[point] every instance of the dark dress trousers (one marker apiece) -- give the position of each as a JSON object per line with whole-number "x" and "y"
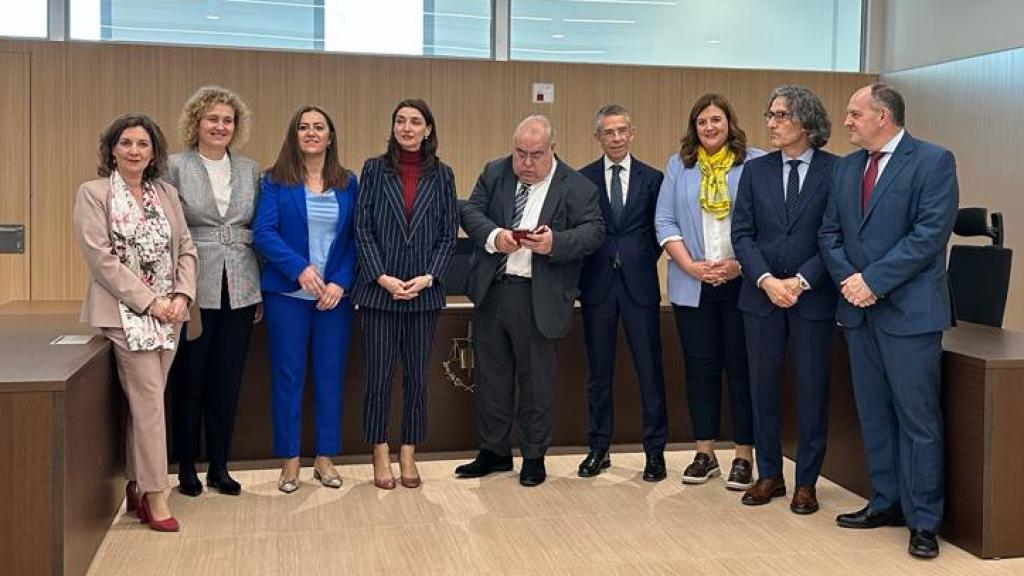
{"x": 517, "y": 321}
{"x": 898, "y": 244}
{"x": 389, "y": 243}
{"x": 768, "y": 239}
{"x": 620, "y": 280}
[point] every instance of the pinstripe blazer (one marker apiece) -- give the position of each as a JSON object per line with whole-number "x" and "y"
{"x": 390, "y": 244}
{"x": 223, "y": 242}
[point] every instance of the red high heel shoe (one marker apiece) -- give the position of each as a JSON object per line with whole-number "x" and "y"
{"x": 169, "y": 524}
{"x": 131, "y": 498}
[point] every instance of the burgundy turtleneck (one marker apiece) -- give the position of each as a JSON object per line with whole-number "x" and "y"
{"x": 409, "y": 171}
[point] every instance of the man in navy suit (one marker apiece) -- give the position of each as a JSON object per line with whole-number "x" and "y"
{"x": 883, "y": 240}
{"x": 620, "y": 280}
{"x": 787, "y": 295}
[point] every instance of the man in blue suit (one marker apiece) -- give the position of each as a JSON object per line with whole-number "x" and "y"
{"x": 883, "y": 240}
{"x": 787, "y": 295}
{"x": 620, "y": 280}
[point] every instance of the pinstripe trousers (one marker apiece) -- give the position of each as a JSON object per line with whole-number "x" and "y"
{"x": 386, "y": 336}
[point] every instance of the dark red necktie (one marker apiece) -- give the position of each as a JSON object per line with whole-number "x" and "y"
{"x": 868, "y": 184}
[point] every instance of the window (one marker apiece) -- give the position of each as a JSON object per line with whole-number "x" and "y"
{"x": 777, "y": 34}
{"x": 24, "y": 18}
{"x": 430, "y": 27}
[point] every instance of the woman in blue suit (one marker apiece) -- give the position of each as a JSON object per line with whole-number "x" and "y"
{"x": 693, "y": 221}
{"x": 303, "y": 229}
{"x": 406, "y": 226}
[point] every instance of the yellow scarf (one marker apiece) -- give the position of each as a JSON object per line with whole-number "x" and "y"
{"x": 714, "y": 188}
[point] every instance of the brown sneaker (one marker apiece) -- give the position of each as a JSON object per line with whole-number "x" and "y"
{"x": 702, "y": 469}
{"x": 741, "y": 475}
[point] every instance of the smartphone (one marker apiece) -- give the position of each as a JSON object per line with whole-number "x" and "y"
{"x": 520, "y": 233}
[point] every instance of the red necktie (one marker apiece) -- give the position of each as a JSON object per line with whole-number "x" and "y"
{"x": 868, "y": 184}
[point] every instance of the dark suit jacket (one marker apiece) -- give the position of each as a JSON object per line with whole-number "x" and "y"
{"x": 281, "y": 235}
{"x": 765, "y": 241}
{"x": 388, "y": 243}
{"x": 633, "y": 240}
{"x": 899, "y": 244}
{"x": 571, "y": 211}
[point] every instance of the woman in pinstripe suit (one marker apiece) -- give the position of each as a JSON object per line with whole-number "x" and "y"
{"x": 405, "y": 231}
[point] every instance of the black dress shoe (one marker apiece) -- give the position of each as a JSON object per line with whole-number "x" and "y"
{"x": 869, "y": 518}
{"x": 702, "y": 469}
{"x": 486, "y": 462}
{"x": 595, "y": 461}
{"x": 654, "y": 469}
{"x": 189, "y": 484}
{"x": 223, "y": 482}
{"x": 533, "y": 473}
{"x": 923, "y": 544}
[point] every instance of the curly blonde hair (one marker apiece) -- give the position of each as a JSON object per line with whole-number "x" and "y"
{"x": 200, "y": 102}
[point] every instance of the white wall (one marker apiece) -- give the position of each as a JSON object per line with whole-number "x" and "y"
{"x": 922, "y": 32}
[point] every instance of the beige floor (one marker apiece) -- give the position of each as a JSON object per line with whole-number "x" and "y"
{"x": 612, "y": 524}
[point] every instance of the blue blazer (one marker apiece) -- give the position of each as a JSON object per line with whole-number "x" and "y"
{"x": 388, "y": 243}
{"x": 633, "y": 239}
{"x": 281, "y": 236}
{"x": 766, "y": 241}
{"x": 899, "y": 244}
{"x": 679, "y": 214}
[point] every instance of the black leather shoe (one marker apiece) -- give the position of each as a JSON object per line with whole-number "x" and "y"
{"x": 654, "y": 469}
{"x": 923, "y": 544}
{"x": 223, "y": 482}
{"x": 741, "y": 475}
{"x": 189, "y": 484}
{"x": 533, "y": 472}
{"x": 486, "y": 463}
{"x": 595, "y": 461}
{"x": 868, "y": 518}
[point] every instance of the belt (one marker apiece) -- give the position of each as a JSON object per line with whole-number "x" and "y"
{"x": 224, "y": 234}
{"x": 511, "y": 279}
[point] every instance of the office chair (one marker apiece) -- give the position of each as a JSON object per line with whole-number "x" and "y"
{"x": 979, "y": 276}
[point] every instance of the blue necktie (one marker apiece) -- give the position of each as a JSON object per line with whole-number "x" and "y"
{"x": 522, "y": 196}
{"x": 616, "y": 193}
{"x": 792, "y": 189}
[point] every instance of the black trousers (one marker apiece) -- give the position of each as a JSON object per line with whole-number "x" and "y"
{"x": 601, "y": 328}
{"x": 205, "y": 381}
{"x": 388, "y": 335}
{"x": 712, "y": 338}
{"x": 515, "y": 371}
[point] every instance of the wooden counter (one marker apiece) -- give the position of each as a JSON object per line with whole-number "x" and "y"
{"x": 61, "y": 454}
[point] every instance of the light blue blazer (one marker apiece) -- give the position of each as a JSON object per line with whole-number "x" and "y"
{"x": 679, "y": 214}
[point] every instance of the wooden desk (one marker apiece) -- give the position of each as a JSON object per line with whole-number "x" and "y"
{"x": 61, "y": 453}
{"x": 983, "y": 402}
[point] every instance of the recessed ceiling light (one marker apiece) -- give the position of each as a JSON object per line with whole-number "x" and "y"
{"x": 212, "y": 17}
{"x": 558, "y": 36}
{"x": 714, "y": 41}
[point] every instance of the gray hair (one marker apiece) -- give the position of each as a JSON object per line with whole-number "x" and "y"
{"x": 545, "y": 125}
{"x": 806, "y": 109}
{"x": 887, "y": 97}
{"x": 611, "y": 110}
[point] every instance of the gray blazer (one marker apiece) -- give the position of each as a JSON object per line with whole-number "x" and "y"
{"x": 224, "y": 242}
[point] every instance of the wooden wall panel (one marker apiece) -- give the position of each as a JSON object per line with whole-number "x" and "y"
{"x": 14, "y": 170}
{"x": 77, "y": 88}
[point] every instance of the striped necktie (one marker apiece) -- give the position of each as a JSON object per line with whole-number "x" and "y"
{"x": 522, "y": 196}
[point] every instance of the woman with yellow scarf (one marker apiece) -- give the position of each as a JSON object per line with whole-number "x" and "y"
{"x": 693, "y": 221}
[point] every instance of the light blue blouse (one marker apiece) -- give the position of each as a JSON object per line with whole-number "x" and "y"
{"x": 322, "y": 221}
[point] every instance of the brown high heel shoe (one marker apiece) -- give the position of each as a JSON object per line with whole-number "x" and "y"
{"x": 408, "y": 481}
{"x": 387, "y": 483}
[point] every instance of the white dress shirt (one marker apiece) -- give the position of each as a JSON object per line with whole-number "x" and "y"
{"x": 626, "y": 164}
{"x": 888, "y": 149}
{"x": 520, "y": 262}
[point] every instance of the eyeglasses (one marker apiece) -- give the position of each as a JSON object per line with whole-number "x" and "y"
{"x": 780, "y": 116}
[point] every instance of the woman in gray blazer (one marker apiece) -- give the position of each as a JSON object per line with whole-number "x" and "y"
{"x": 218, "y": 191}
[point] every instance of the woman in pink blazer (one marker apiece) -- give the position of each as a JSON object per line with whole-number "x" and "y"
{"x": 142, "y": 264}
